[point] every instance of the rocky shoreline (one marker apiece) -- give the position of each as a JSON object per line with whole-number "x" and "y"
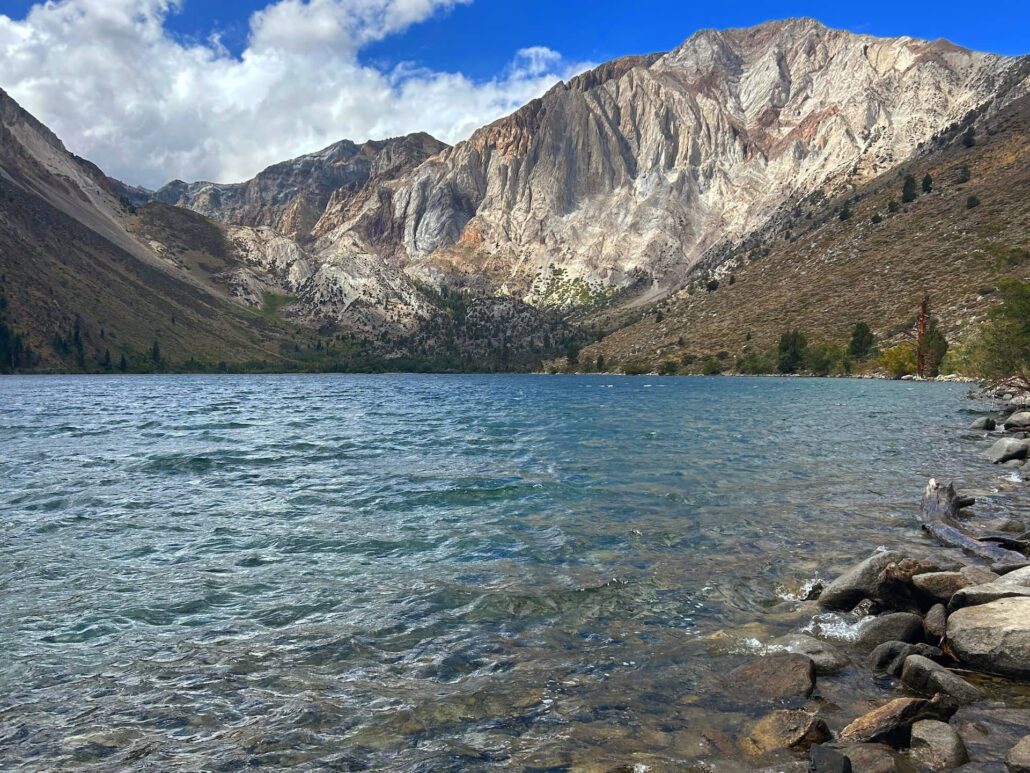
{"x": 942, "y": 634}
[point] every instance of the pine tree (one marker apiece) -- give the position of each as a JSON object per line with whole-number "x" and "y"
{"x": 908, "y": 190}
{"x": 927, "y": 183}
{"x": 155, "y": 354}
{"x": 124, "y": 364}
{"x": 862, "y": 341}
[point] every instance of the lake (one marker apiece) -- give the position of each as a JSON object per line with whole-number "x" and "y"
{"x": 427, "y": 572}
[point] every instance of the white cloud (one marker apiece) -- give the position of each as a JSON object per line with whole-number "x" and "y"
{"x": 110, "y": 80}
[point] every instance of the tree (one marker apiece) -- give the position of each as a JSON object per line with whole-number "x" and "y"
{"x": 1002, "y": 351}
{"x": 123, "y": 365}
{"x": 934, "y": 347}
{"x": 155, "y": 354}
{"x": 927, "y": 183}
{"x": 972, "y": 202}
{"x": 105, "y": 363}
{"x": 963, "y": 174}
{"x": 908, "y": 189}
{"x": 862, "y": 341}
{"x": 900, "y": 360}
{"x": 969, "y": 138}
{"x": 792, "y": 351}
{"x": 711, "y": 367}
{"x": 600, "y": 363}
{"x": 712, "y": 286}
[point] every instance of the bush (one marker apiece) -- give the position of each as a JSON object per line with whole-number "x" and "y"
{"x": 635, "y": 369}
{"x": 899, "y": 360}
{"x": 791, "y": 351}
{"x": 862, "y": 341}
{"x": 877, "y": 218}
{"x": 668, "y": 368}
{"x": 892, "y": 206}
{"x": 711, "y": 367}
{"x": 927, "y": 183}
{"x": 972, "y": 201}
{"x": 712, "y": 285}
{"x": 908, "y": 190}
{"x": 824, "y": 359}
{"x": 755, "y": 363}
{"x": 963, "y": 174}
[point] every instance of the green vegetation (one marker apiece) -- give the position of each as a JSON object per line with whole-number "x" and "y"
{"x": 963, "y": 174}
{"x": 892, "y": 206}
{"x": 899, "y": 360}
{"x": 862, "y": 342}
{"x": 972, "y": 201}
{"x": 932, "y": 349}
{"x": 635, "y": 369}
{"x": 272, "y": 303}
{"x": 791, "y": 351}
{"x": 1001, "y": 352}
{"x": 711, "y": 367}
{"x": 668, "y": 368}
{"x": 15, "y": 353}
{"x": 927, "y": 183}
{"x": 908, "y": 190}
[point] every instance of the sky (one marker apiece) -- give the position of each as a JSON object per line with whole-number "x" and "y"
{"x": 153, "y": 90}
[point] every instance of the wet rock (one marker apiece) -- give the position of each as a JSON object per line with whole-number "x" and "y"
{"x": 774, "y": 678}
{"x": 937, "y": 745}
{"x": 827, "y": 658}
{"x": 889, "y": 657}
{"x": 892, "y": 723}
{"x": 993, "y": 637}
{"x": 935, "y": 623}
{"x": 871, "y": 758}
{"x": 859, "y": 582}
{"x": 984, "y": 422}
{"x": 866, "y": 608}
{"x": 924, "y": 676}
{"x": 1018, "y": 759}
{"x": 897, "y": 626}
{"x": 788, "y": 729}
{"x": 1018, "y": 422}
{"x": 940, "y": 586}
{"x": 826, "y": 759}
{"x": 978, "y": 575}
{"x": 976, "y": 595}
{"x": 989, "y": 732}
{"x": 1006, "y": 449}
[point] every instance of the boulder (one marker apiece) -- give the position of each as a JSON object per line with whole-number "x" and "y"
{"x": 993, "y": 637}
{"x": 892, "y": 722}
{"x": 937, "y": 745}
{"x": 984, "y": 422}
{"x": 975, "y": 595}
{"x": 774, "y": 678}
{"x": 1018, "y": 422}
{"x": 978, "y": 575}
{"x": 890, "y": 656}
{"x": 871, "y": 758}
{"x": 1003, "y": 568}
{"x": 785, "y": 730}
{"x": 858, "y": 582}
{"x": 1019, "y": 576}
{"x": 897, "y": 626}
{"x": 826, "y": 759}
{"x": 935, "y": 623}
{"x": 827, "y": 658}
{"x": 1007, "y": 449}
{"x": 924, "y": 676}
{"x": 940, "y": 586}
{"x": 1018, "y": 759}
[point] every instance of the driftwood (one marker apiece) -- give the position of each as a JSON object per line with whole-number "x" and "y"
{"x": 940, "y": 508}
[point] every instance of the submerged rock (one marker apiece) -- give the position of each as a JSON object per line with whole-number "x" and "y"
{"x": 788, "y": 729}
{"x": 871, "y": 758}
{"x": 929, "y": 678}
{"x": 993, "y": 637}
{"x": 1018, "y": 759}
{"x": 861, "y": 581}
{"x": 984, "y": 422}
{"x": 937, "y": 745}
{"x": 774, "y": 678}
{"x": 892, "y": 723}
{"x": 827, "y": 658}
{"x": 890, "y": 656}
{"x": 826, "y": 759}
{"x": 897, "y": 626}
{"x": 1007, "y": 449}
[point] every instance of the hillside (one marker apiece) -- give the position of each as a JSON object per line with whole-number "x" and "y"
{"x": 816, "y": 272}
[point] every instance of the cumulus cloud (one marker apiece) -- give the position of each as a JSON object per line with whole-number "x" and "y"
{"x": 111, "y": 81}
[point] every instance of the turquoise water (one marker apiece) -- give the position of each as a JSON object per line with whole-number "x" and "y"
{"x": 422, "y": 572}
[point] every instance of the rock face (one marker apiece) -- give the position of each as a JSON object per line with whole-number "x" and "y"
{"x": 993, "y": 637}
{"x": 937, "y": 745}
{"x": 859, "y": 582}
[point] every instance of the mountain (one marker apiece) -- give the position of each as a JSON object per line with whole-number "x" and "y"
{"x": 579, "y": 212}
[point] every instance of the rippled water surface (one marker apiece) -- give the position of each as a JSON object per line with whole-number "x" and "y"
{"x": 423, "y": 572}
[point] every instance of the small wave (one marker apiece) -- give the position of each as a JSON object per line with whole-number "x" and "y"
{"x": 831, "y": 625}
{"x": 801, "y": 593}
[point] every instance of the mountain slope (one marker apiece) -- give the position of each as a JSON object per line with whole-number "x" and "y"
{"x": 814, "y": 271}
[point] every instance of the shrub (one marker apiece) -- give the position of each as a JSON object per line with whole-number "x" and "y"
{"x": 899, "y": 360}
{"x": 927, "y": 183}
{"x": 908, "y": 190}
{"x": 824, "y": 359}
{"x": 711, "y": 367}
{"x": 972, "y": 201}
{"x": 892, "y": 206}
{"x": 877, "y": 218}
{"x": 862, "y": 341}
{"x": 754, "y": 363}
{"x": 600, "y": 363}
{"x": 668, "y": 368}
{"x": 635, "y": 369}
{"x": 963, "y": 174}
{"x": 791, "y": 351}
{"x": 712, "y": 285}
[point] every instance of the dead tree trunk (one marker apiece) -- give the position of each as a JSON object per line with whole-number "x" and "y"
{"x": 940, "y": 507}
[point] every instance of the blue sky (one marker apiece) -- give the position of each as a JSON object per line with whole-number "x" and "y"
{"x": 153, "y": 90}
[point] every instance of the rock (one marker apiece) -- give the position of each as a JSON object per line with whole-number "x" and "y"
{"x": 978, "y": 575}
{"x": 866, "y": 608}
{"x": 984, "y": 422}
{"x": 827, "y": 658}
{"x": 935, "y": 623}
{"x": 871, "y": 758}
{"x": 993, "y": 637}
{"x": 859, "y": 582}
{"x": 1018, "y": 576}
{"x": 937, "y": 745}
{"x": 774, "y": 677}
{"x": 785, "y": 730}
{"x": 940, "y": 586}
{"x": 897, "y": 626}
{"x": 1018, "y": 759}
{"x": 890, "y": 656}
{"x": 923, "y": 675}
{"x": 1014, "y": 464}
{"x": 892, "y": 723}
{"x": 1006, "y": 449}
{"x": 975, "y": 595}
{"x": 1018, "y": 422}
{"x": 826, "y": 759}
{"x": 1006, "y": 568}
